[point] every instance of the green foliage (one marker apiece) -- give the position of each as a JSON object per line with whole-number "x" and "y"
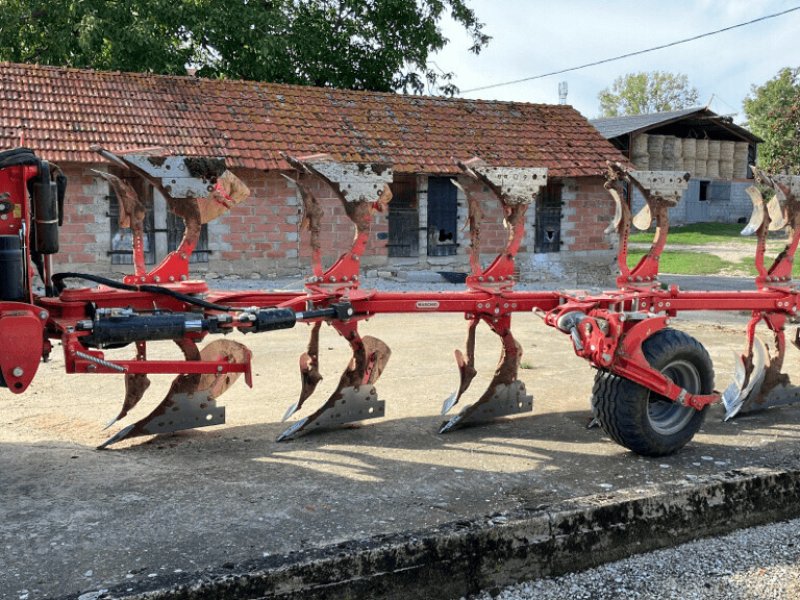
{"x": 643, "y": 93}
{"x": 379, "y": 45}
{"x": 773, "y": 113}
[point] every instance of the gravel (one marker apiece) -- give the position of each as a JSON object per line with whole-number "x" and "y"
{"x": 759, "y": 563}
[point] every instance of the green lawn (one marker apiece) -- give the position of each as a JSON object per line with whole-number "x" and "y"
{"x": 685, "y": 263}
{"x": 701, "y": 263}
{"x": 698, "y": 234}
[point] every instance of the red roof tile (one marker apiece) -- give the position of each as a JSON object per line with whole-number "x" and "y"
{"x": 62, "y": 112}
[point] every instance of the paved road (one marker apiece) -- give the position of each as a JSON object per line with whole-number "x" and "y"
{"x": 759, "y": 563}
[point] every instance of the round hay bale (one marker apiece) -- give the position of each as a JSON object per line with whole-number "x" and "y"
{"x": 655, "y": 149}
{"x": 712, "y": 168}
{"x": 656, "y": 162}
{"x": 641, "y": 162}
{"x": 726, "y": 169}
{"x": 639, "y": 145}
{"x": 689, "y": 165}
{"x": 655, "y": 144}
{"x": 668, "y": 154}
{"x": 699, "y": 167}
{"x": 713, "y": 149}
{"x": 701, "y": 150}
{"x": 677, "y": 152}
{"x": 689, "y": 148}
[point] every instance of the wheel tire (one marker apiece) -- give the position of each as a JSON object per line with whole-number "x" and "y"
{"x": 643, "y": 421}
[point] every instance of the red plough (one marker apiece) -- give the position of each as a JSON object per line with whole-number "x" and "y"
{"x": 653, "y": 383}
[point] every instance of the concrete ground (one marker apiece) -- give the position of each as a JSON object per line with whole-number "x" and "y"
{"x": 75, "y": 519}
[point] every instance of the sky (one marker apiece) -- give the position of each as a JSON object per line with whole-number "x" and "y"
{"x": 530, "y": 37}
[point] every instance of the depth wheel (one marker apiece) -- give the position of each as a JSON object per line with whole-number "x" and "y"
{"x": 643, "y": 421}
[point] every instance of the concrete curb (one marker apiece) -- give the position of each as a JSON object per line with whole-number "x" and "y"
{"x": 464, "y": 557}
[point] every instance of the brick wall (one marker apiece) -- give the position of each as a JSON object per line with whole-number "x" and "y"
{"x": 587, "y": 255}
{"x": 85, "y": 237}
{"x": 261, "y": 235}
{"x": 588, "y": 209}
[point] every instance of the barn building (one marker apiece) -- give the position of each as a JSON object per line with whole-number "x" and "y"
{"x": 711, "y": 147}
{"x": 61, "y": 112}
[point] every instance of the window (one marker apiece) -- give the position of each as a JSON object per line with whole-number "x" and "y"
{"x": 163, "y": 230}
{"x": 175, "y": 229}
{"x": 404, "y": 217}
{"x": 548, "y": 218}
{"x": 121, "y": 250}
{"x": 704, "y": 185}
{"x": 442, "y": 217}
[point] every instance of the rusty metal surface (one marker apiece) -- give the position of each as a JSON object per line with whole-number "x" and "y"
{"x": 131, "y": 215}
{"x": 136, "y": 384}
{"x": 664, "y": 185}
{"x": 357, "y": 182}
{"x": 228, "y": 350}
{"x": 182, "y": 386}
{"x": 178, "y": 176}
{"x": 310, "y": 375}
{"x": 227, "y": 193}
{"x": 368, "y": 361}
{"x": 466, "y": 368}
{"x": 512, "y": 185}
{"x": 790, "y": 182}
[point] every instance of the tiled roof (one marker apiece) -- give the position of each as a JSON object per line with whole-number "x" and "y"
{"x": 63, "y": 111}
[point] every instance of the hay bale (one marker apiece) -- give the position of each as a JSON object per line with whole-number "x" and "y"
{"x": 689, "y": 165}
{"x": 701, "y": 150}
{"x": 655, "y": 149}
{"x": 689, "y": 148}
{"x": 699, "y": 167}
{"x": 740, "y": 150}
{"x": 713, "y": 149}
{"x": 655, "y": 144}
{"x": 712, "y": 168}
{"x": 641, "y": 162}
{"x": 740, "y": 153}
{"x": 726, "y": 169}
{"x": 668, "y": 154}
{"x": 726, "y": 149}
{"x": 639, "y": 145}
{"x": 677, "y": 152}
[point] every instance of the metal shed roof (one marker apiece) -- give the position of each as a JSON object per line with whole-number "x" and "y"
{"x": 700, "y": 121}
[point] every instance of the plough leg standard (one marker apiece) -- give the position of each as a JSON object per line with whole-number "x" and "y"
{"x": 653, "y": 383}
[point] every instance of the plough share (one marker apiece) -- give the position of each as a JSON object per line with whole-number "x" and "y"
{"x": 653, "y": 383}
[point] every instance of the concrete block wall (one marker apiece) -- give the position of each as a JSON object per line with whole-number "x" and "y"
{"x": 727, "y": 202}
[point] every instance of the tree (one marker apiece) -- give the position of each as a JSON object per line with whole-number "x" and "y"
{"x": 773, "y": 113}
{"x": 378, "y": 45}
{"x": 643, "y": 93}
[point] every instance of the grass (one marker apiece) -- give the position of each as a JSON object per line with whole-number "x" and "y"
{"x": 686, "y": 263}
{"x": 699, "y": 234}
{"x": 701, "y": 263}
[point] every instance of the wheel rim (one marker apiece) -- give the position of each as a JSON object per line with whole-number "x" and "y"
{"x": 667, "y": 417}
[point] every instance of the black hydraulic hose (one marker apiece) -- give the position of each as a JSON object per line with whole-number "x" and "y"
{"x": 58, "y": 282}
